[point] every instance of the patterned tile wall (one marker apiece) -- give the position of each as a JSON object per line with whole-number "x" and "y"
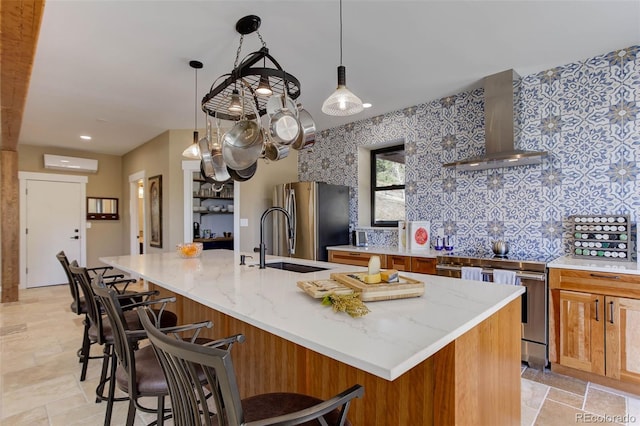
{"x": 586, "y": 114}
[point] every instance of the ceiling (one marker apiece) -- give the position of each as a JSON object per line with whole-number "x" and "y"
{"x": 118, "y": 70}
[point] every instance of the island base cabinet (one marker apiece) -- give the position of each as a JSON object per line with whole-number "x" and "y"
{"x": 473, "y": 380}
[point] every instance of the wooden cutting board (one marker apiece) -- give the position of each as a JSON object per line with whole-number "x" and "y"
{"x": 406, "y": 287}
{"x": 320, "y": 288}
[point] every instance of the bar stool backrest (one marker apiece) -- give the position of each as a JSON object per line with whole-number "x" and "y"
{"x": 122, "y": 344}
{"x": 181, "y": 361}
{"x": 81, "y": 278}
{"x": 73, "y": 286}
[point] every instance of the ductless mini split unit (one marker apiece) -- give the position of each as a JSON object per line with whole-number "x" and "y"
{"x": 72, "y": 164}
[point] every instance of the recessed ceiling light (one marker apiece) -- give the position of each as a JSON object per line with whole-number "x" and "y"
{"x": 85, "y": 137}
{"x": 366, "y": 105}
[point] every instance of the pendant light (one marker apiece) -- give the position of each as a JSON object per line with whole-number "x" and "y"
{"x": 264, "y": 88}
{"x": 235, "y": 106}
{"x": 342, "y": 102}
{"x": 193, "y": 151}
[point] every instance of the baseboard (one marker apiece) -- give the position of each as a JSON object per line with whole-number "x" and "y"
{"x": 596, "y": 378}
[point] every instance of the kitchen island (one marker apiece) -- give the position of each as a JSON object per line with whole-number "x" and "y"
{"x": 451, "y": 356}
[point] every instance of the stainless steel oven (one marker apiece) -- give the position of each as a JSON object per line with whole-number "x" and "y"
{"x": 533, "y": 276}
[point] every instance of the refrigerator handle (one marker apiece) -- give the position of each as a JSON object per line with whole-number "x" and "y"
{"x": 291, "y": 208}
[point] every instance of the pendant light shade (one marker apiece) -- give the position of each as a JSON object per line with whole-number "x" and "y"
{"x": 193, "y": 151}
{"x": 342, "y": 102}
{"x": 264, "y": 88}
{"x": 235, "y": 105}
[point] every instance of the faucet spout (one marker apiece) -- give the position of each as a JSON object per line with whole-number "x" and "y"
{"x": 263, "y": 247}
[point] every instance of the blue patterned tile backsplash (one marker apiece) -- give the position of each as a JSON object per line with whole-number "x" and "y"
{"x": 585, "y": 114}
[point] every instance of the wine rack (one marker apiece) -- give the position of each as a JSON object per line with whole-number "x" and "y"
{"x": 604, "y": 237}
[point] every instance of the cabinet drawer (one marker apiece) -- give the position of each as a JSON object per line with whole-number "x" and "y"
{"x": 401, "y": 263}
{"x": 354, "y": 258}
{"x": 607, "y": 283}
{"x": 423, "y": 265}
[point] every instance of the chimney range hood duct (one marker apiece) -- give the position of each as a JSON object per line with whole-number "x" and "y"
{"x": 499, "y": 128}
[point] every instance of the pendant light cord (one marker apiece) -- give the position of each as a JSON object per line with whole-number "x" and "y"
{"x": 195, "y": 104}
{"x": 340, "y": 32}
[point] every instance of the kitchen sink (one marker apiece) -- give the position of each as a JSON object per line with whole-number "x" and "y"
{"x": 294, "y": 267}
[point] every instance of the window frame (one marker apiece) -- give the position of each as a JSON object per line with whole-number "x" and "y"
{"x": 374, "y": 188}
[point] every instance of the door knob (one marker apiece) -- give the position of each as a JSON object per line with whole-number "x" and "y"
{"x": 75, "y": 238}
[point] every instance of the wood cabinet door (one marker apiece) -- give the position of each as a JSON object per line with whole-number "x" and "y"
{"x": 354, "y": 258}
{"x": 423, "y": 265}
{"x": 582, "y": 331}
{"x": 622, "y": 318}
{"x": 401, "y": 263}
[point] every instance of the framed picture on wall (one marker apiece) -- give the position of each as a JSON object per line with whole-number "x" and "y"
{"x": 155, "y": 204}
{"x": 419, "y": 235}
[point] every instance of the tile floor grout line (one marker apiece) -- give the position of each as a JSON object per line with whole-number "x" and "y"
{"x": 584, "y": 400}
{"x": 546, "y": 394}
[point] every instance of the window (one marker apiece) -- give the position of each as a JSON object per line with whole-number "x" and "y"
{"x": 387, "y": 186}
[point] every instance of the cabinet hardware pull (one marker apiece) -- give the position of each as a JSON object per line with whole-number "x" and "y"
{"x": 610, "y": 277}
{"x": 611, "y": 312}
{"x": 597, "y": 310}
{"x": 354, "y": 254}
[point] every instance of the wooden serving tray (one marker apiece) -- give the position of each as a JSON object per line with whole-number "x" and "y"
{"x": 406, "y": 287}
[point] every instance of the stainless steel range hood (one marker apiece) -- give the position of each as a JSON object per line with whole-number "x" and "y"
{"x": 499, "y": 128}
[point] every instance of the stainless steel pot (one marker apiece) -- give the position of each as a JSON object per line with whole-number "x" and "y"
{"x": 307, "y": 136}
{"x": 284, "y": 126}
{"x": 243, "y": 175}
{"x": 242, "y": 145}
{"x": 275, "y": 152}
{"x": 212, "y": 165}
{"x": 500, "y": 247}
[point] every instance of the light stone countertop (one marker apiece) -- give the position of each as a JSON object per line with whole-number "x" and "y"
{"x": 392, "y": 250}
{"x": 393, "y": 338}
{"x": 596, "y": 265}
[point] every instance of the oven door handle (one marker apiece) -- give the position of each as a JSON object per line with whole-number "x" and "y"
{"x": 520, "y": 274}
{"x": 525, "y": 304}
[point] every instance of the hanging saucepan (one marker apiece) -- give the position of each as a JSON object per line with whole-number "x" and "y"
{"x": 283, "y": 125}
{"x": 242, "y": 145}
{"x": 275, "y": 152}
{"x": 206, "y": 164}
{"x": 244, "y": 174}
{"x": 307, "y": 136}
{"x": 210, "y": 166}
{"x": 274, "y": 104}
{"x": 219, "y": 165}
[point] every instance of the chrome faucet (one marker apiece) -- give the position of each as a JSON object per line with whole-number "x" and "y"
{"x": 263, "y": 247}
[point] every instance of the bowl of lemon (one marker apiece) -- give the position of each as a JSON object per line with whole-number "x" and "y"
{"x": 189, "y": 250}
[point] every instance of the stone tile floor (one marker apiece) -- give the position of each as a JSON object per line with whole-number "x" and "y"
{"x": 39, "y": 376}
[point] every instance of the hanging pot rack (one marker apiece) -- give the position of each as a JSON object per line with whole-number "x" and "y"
{"x": 245, "y": 79}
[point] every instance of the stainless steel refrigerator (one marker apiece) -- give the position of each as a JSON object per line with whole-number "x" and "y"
{"x": 320, "y": 214}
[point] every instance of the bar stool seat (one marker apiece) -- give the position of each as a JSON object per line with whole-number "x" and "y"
{"x": 271, "y": 405}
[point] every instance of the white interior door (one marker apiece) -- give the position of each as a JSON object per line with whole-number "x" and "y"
{"x": 53, "y": 220}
